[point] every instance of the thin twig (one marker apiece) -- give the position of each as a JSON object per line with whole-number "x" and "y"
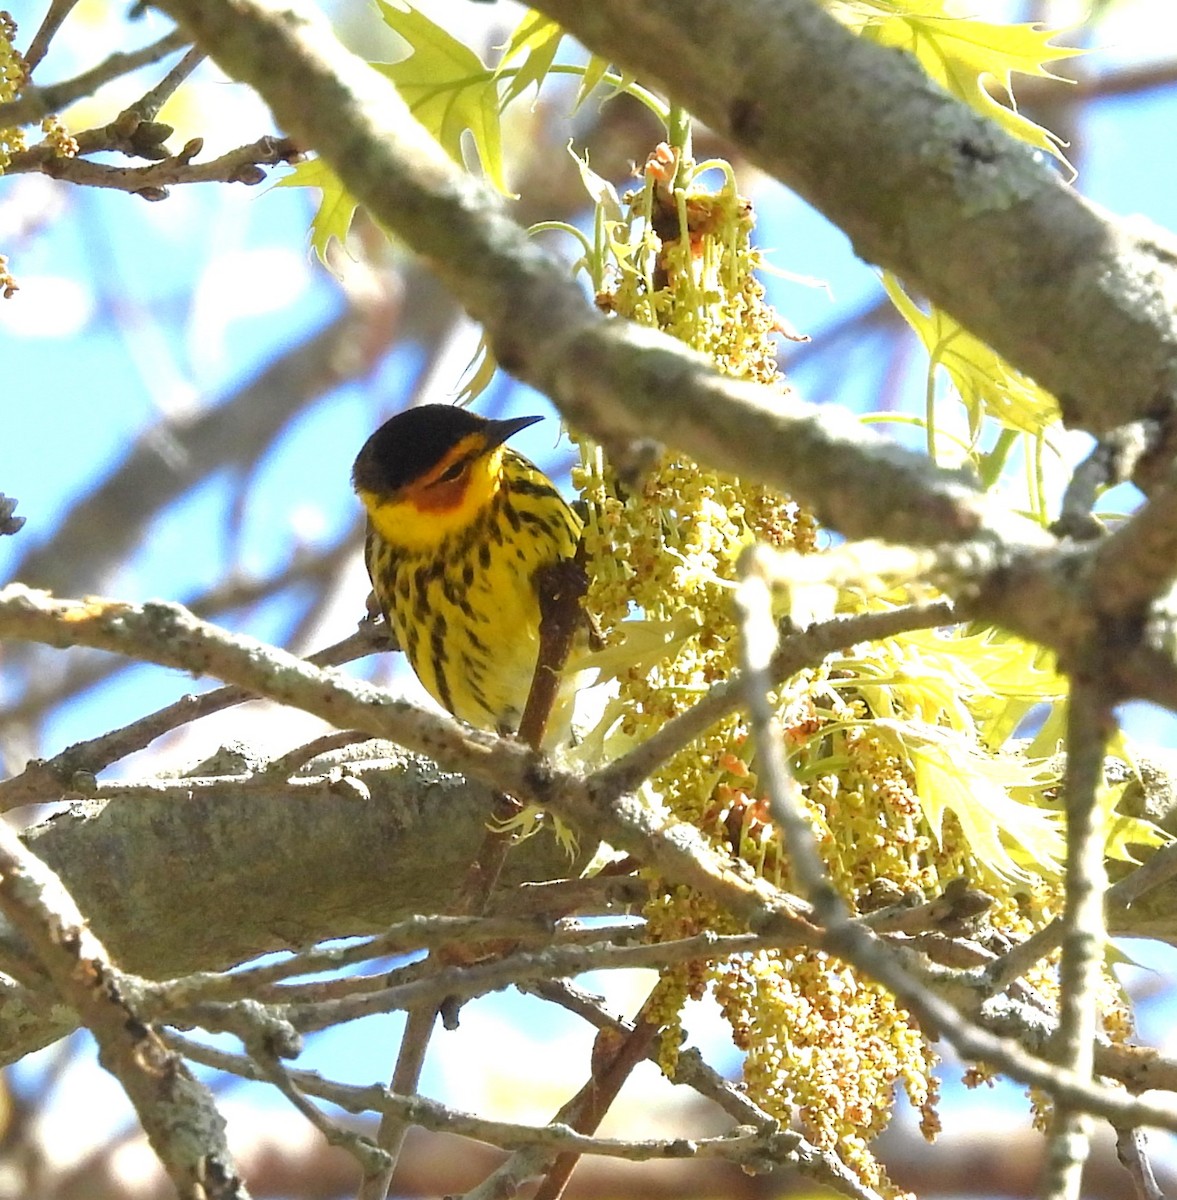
{"x": 405, "y": 937}
{"x": 752, "y": 1147}
{"x": 561, "y": 587}
{"x": 616, "y": 1052}
{"x": 467, "y": 981}
{"x": 957, "y": 906}
{"x": 382, "y": 981}
{"x": 758, "y": 641}
{"x": 37, "y": 102}
{"x": 50, "y": 24}
{"x": 797, "y": 651}
{"x": 370, "y": 1157}
{"x": 1119, "y": 81}
{"x": 232, "y": 594}
{"x": 1159, "y": 868}
{"x": 50, "y": 779}
{"x": 1113, "y": 460}
{"x": 243, "y": 165}
{"x": 1132, "y": 1151}
{"x": 294, "y": 760}
{"x": 1090, "y": 725}
{"x": 612, "y": 1065}
{"x": 406, "y": 1077}
{"x": 1014, "y": 963}
{"x": 692, "y": 1071}
{"x": 507, "y": 1180}
{"x": 591, "y": 895}
{"x": 148, "y": 105}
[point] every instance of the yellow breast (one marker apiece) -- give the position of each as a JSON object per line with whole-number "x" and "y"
{"x": 464, "y": 604}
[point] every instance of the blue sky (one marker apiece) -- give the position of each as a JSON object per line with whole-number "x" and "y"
{"x": 132, "y": 314}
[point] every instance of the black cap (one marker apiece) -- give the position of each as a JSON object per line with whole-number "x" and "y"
{"x": 407, "y": 445}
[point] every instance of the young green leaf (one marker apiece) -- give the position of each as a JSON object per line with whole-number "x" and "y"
{"x": 336, "y": 209}
{"x": 965, "y": 55}
{"x": 986, "y": 383}
{"x": 448, "y": 88}
{"x": 537, "y": 38}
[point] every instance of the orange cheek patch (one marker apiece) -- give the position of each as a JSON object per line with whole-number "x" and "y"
{"x": 441, "y": 497}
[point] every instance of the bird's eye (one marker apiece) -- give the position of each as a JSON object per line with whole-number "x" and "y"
{"x": 451, "y": 473}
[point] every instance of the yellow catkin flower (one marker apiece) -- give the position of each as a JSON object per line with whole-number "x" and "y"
{"x": 62, "y": 141}
{"x": 668, "y": 547}
{"x": 12, "y": 78}
{"x": 822, "y": 1046}
{"x": 8, "y": 284}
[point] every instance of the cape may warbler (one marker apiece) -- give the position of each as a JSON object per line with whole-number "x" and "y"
{"x": 458, "y": 525}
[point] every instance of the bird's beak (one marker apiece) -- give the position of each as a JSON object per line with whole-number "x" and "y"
{"x": 497, "y": 432}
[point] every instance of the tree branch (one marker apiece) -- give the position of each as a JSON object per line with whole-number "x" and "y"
{"x": 742, "y": 1145}
{"x": 960, "y": 210}
{"x": 1090, "y": 725}
{"x": 614, "y": 380}
{"x": 50, "y": 24}
{"x": 37, "y": 102}
{"x": 51, "y": 779}
{"x": 243, "y": 165}
{"x": 177, "y": 1111}
{"x": 678, "y": 851}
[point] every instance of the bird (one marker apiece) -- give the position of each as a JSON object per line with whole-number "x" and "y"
{"x": 459, "y": 524}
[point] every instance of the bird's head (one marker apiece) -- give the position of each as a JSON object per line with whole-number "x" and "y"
{"x": 429, "y": 472}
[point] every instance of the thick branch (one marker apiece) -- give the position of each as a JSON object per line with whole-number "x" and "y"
{"x": 618, "y": 381}
{"x": 383, "y": 836}
{"x": 964, "y": 213}
{"x": 610, "y": 378}
{"x": 176, "y": 1110}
